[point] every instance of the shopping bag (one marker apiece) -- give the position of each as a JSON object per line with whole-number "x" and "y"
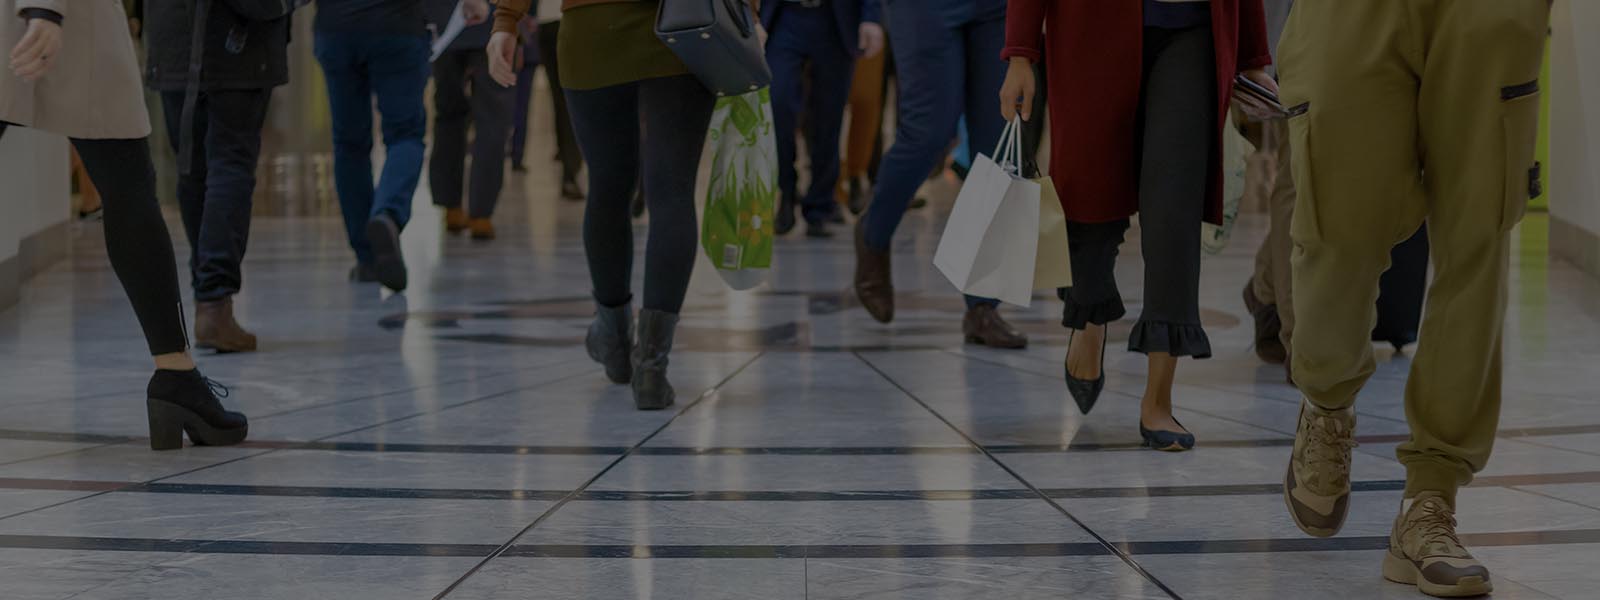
{"x": 1052, "y": 267}
{"x": 742, "y": 196}
{"x": 990, "y": 243}
{"x": 1235, "y": 153}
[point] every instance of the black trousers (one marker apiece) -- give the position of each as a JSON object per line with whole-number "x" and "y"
{"x": 1177, "y": 136}
{"x": 214, "y": 197}
{"x": 658, "y": 127}
{"x": 488, "y": 111}
{"x": 136, "y": 237}
{"x": 566, "y": 141}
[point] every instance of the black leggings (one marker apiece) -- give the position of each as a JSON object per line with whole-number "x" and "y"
{"x": 136, "y": 237}
{"x": 1177, "y": 136}
{"x": 659, "y": 124}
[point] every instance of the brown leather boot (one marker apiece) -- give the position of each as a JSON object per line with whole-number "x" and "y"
{"x": 874, "y": 282}
{"x": 455, "y": 220}
{"x": 215, "y": 329}
{"x": 983, "y": 326}
{"x": 482, "y": 229}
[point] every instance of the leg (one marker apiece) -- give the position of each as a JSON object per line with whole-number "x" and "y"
{"x": 1350, "y": 72}
{"x": 491, "y": 108}
{"x": 833, "y": 65}
{"x": 1091, "y": 303}
{"x": 1260, "y": 295}
{"x": 566, "y": 141}
{"x": 786, "y": 53}
{"x": 191, "y": 185}
{"x": 519, "y": 112}
{"x": 233, "y": 145}
{"x": 1479, "y": 122}
{"x": 676, "y": 112}
{"x": 931, "y": 70}
{"x": 350, "y": 105}
{"x": 450, "y": 113}
{"x": 1280, "y": 207}
{"x": 399, "y": 71}
{"x": 610, "y": 142}
{"x": 984, "y": 40}
{"x": 866, "y": 114}
{"x": 137, "y": 241}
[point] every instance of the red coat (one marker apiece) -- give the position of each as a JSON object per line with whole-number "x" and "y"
{"x": 1094, "y": 57}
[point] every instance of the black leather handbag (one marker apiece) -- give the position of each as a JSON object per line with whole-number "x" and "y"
{"x": 717, "y": 41}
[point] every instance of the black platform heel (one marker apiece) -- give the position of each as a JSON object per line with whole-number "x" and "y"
{"x": 1086, "y": 392}
{"x": 185, "y": 402}
{"x": 1166, "y": 441}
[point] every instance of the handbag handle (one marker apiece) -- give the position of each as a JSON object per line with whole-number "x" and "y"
{"x": 1008, "y": 149}
{"x": 736, "y": 8}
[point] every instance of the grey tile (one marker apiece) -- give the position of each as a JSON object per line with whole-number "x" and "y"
{"x": 970, "y": 578}
{"x": 785, "y": 523}
{"x": 1570, "y": 572}
{"x": 808, "y": 473}
{"x": 132, "y": 461}
{"x": 12, "y": 451}
{"x": 624, "y": 578}
{"x": 57, "y": 575}
{"x": 15, "y": 501}
{"x": 322, "y": 468}
{"x": 1203, "y": 466}
{"x": 283, "y": 519}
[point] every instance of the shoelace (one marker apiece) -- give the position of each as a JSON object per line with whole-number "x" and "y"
{"x": 1330, "y": 441}
{"x": 217, "y": 389}
{"x": 1436, "y": 526}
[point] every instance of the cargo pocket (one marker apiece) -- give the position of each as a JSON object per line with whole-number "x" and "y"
{"x": 1305, "y": 227}
{"x": 1519, "y": 106}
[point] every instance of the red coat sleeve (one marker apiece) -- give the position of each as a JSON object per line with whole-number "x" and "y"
{"x": 1253, "y": 50}
{"x": 1025, "y": 29}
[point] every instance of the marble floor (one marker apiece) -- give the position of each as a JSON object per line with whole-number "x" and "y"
{"x": 455, "y": 442}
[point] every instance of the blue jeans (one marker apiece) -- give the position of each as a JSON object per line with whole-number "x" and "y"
{"x": 945, "y": 69}
{"x": 395, "y": 69}
{"x": 214, "y": 198}
{"x": 801, "y": 35}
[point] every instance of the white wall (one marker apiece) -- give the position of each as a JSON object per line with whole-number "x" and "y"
{"x": 1574, "y": 174}
{"x": 34, "y": 198}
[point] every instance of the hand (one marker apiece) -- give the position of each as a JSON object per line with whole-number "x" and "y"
{"x": 36, "y": 52}
{"x": 1261, "y": 77}
{"x": 761, "y": 34}
{"x": 475, "y": 11}
{"x": 1017, "y": 91}
{"x": 871, "y": 35}
{"x": 502, "y": 51}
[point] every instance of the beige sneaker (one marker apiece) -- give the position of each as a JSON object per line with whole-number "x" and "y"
{"x": 1317, "y": 485}
{"x": 1424, "y": 551}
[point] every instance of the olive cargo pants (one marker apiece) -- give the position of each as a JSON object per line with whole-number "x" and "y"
{"x": 1405, "y": 111}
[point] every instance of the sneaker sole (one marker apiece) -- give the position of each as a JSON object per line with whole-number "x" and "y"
{"x": 1400, "y": 570}
{"x": 1288, "y": 504}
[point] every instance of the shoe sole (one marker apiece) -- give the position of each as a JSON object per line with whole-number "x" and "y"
{"x": 1288, "y": 504}
{"x": 388, "y": 264}
{"x": 169, "y": 422}
{"x": 1400, "y": 570}
{"x": 978, "y": 341}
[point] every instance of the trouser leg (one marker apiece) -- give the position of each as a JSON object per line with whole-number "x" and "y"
{"x": 491, "y": 123}
{"x": 232, "y": 148}
{"x": 676, "y": 112}
{"x": 447, "y": 165}
{"x": 608, "y": 131}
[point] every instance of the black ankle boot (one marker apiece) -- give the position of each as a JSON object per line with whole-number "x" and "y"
{"x": 182, "y": 402}
{"x": 610, "y": 341}
{"x": 651, "y": 391}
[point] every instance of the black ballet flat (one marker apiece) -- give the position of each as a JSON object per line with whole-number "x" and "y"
{"x": 1166, "y": 441}
{"x": 1086, "y": 392}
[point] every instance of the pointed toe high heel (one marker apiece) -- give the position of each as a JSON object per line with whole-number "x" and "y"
{"x": 1085, "y": 392}
{"x": 1166, "y": 441}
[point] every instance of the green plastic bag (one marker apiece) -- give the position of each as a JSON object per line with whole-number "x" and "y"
{"x": 741, "y": 200}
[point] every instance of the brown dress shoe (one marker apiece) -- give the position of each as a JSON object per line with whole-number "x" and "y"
{"x": 215, "y": 329}
{"x": 983, "y": 326}
{"x": 874, "y": 282}
{"x": 482, "y": 229}
{"x": 455, "y": 220}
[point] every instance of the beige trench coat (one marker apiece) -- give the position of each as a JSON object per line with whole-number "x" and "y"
{"x": 94, "y": 91}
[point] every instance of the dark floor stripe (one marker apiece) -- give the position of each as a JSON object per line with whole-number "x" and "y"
{"x": 1249, "y": 489}
{"x": 835, "y": 551}
{"x": 429, "y": 448}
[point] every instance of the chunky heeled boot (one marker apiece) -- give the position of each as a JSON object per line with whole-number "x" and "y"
{"x": 610, "y": 341}
{"x": 651, "y": 391}
{"x": 180, "y": 402}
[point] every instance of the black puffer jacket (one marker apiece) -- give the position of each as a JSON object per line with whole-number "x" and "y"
{"x": 240, "y": 53}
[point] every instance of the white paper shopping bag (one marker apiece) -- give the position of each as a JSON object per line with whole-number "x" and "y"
{"x": 991, "y": 242}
